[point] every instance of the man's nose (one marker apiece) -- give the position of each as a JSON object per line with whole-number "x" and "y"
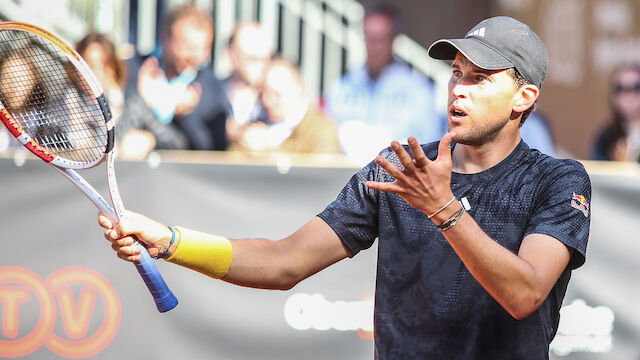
{"x": 459, "y": 89}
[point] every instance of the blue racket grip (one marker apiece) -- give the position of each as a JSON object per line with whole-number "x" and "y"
{"x": 164, "y": 298}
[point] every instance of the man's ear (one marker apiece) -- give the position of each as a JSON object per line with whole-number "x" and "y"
{"x": 525, "y": 97}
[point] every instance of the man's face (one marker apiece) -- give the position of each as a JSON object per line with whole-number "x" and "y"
{"x": 280, "y": 92}
{"x": 378, "y": 37}
{"x": 250, "y": 54}
{"x": 480, "y": 102}
{"x": 189, "y": 44}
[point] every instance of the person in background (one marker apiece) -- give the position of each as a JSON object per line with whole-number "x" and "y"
{"x": 16, "y": 91}
{"x": 296, "y": 126}
{"x": 175, "y": 83}
{"x": 250, "y": 48}
{"x": 35, "y": 101}
{"x": 384, "y": 99}
{"x": 138, "y": 130}
{"x": 24, "y": 85}
{"x": 619, "y": 140}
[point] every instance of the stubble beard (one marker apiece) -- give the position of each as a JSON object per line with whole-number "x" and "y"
{"x": 480, "y": 135}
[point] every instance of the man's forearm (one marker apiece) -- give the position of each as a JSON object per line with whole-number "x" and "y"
{"x": 260, "y": 263}
{"x": 519, "y": 282}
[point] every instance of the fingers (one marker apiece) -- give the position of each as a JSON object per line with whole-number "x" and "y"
{"x": 444, "y": 148}
{"x": 418, "y": 161}
{"x": 403, "y": 155}
{"x": 389, "y": 167}
{"x": 133, "y": 258}
{"x": 419, "y": 158}
{"x": 125, "y": 241}
{"x": 127, "y": 256}
{"x": 383, "y": 186}
{"x": 111, "y": 235}
{"x": 126, "y": 248}
{"x": 122, "y": 235}
{"x": 104, "y": 221}
{"x": 149, "y": 65}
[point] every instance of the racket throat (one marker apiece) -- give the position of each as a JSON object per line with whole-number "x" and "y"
{"x": 89, "y": 191}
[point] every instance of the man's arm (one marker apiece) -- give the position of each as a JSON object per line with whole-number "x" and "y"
{"x": 519, "y": 282}
{"x": 259, "y": 263}
{"x": 282, "y": 264}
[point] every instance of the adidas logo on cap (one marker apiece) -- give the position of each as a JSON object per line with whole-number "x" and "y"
{"x": 477, "y": 32}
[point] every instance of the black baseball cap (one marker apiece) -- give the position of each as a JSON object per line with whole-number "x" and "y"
{"x": 499, "y": 43}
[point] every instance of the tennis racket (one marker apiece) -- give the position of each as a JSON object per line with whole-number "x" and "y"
{"x": 53, "y": 104}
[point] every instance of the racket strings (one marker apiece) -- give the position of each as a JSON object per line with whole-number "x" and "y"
{"x": 50, "y": 98}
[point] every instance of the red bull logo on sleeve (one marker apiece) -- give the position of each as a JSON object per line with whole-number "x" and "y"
{"x": 580, "y": 202}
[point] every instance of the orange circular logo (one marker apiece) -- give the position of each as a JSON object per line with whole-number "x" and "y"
{"x": 77, "y": 292}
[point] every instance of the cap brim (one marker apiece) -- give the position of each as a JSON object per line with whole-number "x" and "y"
{"x": 478, "y": 53}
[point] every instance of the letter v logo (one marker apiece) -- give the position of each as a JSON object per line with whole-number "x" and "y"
{"x": 76, "y": 316}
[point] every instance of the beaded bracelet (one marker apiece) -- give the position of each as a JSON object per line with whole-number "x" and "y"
{"x": 166, "y": 249}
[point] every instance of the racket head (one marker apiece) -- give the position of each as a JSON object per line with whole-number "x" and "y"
{"x": 50, "y": 100}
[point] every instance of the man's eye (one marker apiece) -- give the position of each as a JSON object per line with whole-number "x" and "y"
{"x": 457, "y": 73}
{"x": 479, "y": 78}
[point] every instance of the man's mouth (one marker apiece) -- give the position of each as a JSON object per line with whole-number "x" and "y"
{"x": 457, "y": 113}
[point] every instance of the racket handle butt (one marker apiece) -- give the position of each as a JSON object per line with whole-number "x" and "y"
{"x": 163, "y": 297}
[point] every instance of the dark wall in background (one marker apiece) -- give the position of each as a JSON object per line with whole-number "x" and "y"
{"x": 427, "y": 21}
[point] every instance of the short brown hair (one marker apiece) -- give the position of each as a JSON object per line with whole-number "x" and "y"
{"x": 520, "y": 81}
{"x": 119, "y": 69}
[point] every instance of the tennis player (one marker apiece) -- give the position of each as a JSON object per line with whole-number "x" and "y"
{"x": 478, "y": 234}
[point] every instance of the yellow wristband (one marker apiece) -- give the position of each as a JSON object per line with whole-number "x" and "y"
{"x": 205, "y": 253}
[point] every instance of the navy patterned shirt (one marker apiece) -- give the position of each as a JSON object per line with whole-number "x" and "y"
{"x": 428, "y": 305}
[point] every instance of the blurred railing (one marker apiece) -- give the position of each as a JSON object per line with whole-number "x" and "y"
{"x": 323, "y": 36}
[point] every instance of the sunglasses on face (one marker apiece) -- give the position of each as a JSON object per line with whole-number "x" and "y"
{"x": 620, "y": 88}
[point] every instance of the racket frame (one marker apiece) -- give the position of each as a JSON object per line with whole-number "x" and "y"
{"x": 163, "y": 297}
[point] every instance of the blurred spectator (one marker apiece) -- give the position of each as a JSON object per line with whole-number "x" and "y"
{"x": 296, "y": 126}
{"x": 22, "y": 81}
{"x": 620, "y": 139}
{"x": 18, "y": 89}
{"x": 250, "y": 48}
{"x": 384, "y": 99}
{"x": 47, "y": 109}
{"x": 177, "y": 85}
{"x": 138, "y": 129}
{"x": 537, "y": 133}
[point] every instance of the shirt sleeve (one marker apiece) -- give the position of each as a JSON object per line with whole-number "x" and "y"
{"x": 354, "y": 214}
{"x": 563, "y": 208}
